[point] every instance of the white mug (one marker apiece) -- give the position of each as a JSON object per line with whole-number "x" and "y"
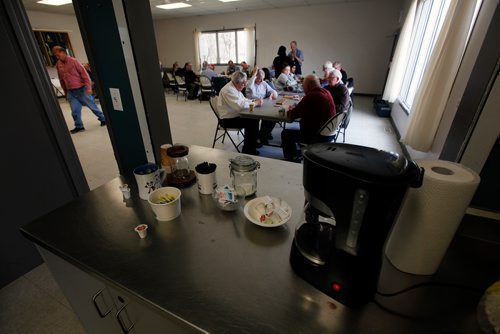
{"x": 148, "y": 177}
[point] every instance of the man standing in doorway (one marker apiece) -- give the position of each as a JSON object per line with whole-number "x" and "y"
{"x": 77, "y": 86}
{"x": 297, "y": 56}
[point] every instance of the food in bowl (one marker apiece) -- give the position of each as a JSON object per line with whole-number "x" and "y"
{"x": 167, "y": 198}
{"x": 165, "y": 203}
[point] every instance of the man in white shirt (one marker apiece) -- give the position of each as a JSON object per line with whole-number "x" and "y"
{"x": 207, "y": 71}
{"x": 230, "y": 102}
{"x": 257, "y": 88}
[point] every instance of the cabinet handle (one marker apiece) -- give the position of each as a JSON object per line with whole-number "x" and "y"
{"x": 94, "y": 300}
{"x": 122, "y": 325}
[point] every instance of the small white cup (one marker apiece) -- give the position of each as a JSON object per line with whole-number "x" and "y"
{"x": 125, "y": 191}
{"x": 142, "y": 230}
{"x": 165, "y": 211}
{"x": 207, "y": 182}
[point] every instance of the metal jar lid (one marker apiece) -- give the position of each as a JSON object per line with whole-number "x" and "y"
{"x": 243, "y": 163}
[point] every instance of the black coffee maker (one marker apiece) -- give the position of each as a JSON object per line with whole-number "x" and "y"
{"x": 353, "y": 194}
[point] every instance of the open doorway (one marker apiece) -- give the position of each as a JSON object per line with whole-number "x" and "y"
{"x": 57, "y": 25}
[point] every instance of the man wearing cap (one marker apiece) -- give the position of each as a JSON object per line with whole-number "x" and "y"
{"x": 77, "y": 86}
{"x": 339, "y": 91}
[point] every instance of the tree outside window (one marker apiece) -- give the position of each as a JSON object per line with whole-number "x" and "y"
{"x": 219, "y": 47}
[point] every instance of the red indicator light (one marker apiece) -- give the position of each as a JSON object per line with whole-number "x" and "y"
{"x": 336, "y": 287}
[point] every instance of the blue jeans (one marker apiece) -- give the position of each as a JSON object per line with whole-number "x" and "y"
{"x": 78, "y": 98}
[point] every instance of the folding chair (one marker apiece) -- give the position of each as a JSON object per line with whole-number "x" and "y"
{"x": 171, "y": 82}
{"x": 330, "y": 130}
{"x": 205, "y": 87}
{"x": 220, "y": 127}
{"x": 181, "y": 87}
{"x": 345, "y": 123}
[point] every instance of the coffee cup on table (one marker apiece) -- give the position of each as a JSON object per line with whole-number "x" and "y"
{"x": 251, "y": 106}
{"x": 148, "y": 177}
{"x": 207, "y": 180}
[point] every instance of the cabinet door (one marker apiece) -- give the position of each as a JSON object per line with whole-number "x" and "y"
{"x": 135, "y": 317}
{"x": 89, "y": 297}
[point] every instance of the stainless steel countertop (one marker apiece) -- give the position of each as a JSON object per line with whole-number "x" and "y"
{"x": 219, "y": 272}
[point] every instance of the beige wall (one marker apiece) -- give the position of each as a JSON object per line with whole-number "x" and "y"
{"x": 359, "y": 34}
{"x": 63, "y": 23}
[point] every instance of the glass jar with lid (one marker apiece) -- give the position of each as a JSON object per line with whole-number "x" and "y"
{"x": 243, "y": 171}
{"x": 179, "y": 162}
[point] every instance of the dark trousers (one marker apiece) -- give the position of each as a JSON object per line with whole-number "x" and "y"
{"x": 289, "y": 140}
{"x": 193, "y": 89}
{"x": 251, "y": 127}
{"x": 266, "y": 127}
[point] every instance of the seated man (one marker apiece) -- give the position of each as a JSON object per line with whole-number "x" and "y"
{"x": 245, "y": 68}
{"x": 190, "y": 78}
{"x": 207, "y": 71}
{"x": 314, "y": 110}
{"x": 338, "y": 66}
{"x": 327, "y": 68}
{"x": 230, "y": 102}
{"x": 231, "y": 68}
{"x": 257, "y": 88}
{"x": 339, "y": 91}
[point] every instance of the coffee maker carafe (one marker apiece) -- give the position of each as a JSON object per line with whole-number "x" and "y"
{"x": 353, "y": 194}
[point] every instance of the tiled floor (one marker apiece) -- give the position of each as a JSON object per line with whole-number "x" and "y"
{"x": 34, "y": 303}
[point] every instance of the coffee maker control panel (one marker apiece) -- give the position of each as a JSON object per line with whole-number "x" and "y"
{"x": 358, "y": 211}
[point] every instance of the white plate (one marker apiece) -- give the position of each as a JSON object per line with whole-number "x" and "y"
{"x": 248, "y": 210}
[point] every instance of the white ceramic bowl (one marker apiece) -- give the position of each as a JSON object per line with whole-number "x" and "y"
{"x": 253, "y": 216}
{"x": 165, "y": 211}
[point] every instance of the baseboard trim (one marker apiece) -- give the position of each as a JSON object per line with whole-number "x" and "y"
{"x": 365, "y": 94}
{"x": 483, "y": 213}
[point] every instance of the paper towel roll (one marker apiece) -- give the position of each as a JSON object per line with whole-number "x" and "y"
{"x": 429, "y": 216}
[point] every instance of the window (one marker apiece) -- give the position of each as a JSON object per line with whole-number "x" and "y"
{"x": 429, "y": 19}
{"x": 219, "y": 47}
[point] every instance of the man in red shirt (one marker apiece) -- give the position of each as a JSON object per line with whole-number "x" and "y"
{"x": 314, "y": 110}
{"x": 77, "y": 86}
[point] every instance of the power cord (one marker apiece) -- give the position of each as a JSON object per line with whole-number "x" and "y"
{"x": 419, "y": 285}
{"x": 412, "y": 287}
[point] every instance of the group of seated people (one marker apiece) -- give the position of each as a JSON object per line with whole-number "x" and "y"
{"x": 328, "y": 66}
{"x": 324, "y": 97}
{"x": 192, "y": 79}
{"x": 284, "y": 73}
{"x": 318, "y": 105}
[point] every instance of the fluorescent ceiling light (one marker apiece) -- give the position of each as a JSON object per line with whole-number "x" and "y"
{"x": 54, "y": 2}
{"x": 228, "y": 0}
{"x": 174, "y": 5}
